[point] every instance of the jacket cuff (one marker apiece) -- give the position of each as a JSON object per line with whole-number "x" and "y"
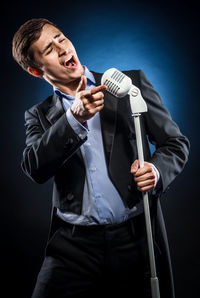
{"x": 78, "y": 128}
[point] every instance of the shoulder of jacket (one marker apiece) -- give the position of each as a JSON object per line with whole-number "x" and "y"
{"x": 134, "y": 75}
{"x": 131, "y": 71}
{"x": 44, "y": 104}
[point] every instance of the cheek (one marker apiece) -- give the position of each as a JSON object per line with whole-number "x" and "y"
{"x": 50, "y": 65}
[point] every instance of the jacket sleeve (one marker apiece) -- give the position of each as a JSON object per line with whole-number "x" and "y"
{"x": 47, "y": 149}
{"x": 172, "y": 147}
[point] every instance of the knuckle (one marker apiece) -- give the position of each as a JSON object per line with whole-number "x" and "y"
{"x": 99, "y": 95}
{"x": 86, "y": 106}
{"x": 90, "y": 112}
{"x": 85, "y": 93}
{"x": 98, "y": 108}
{"x": 84, "y": 101}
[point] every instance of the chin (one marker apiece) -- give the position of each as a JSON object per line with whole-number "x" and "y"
{"x": 78, "y": 72}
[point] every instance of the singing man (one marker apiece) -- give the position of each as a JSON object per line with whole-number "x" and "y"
{"x": 84, "y": 138}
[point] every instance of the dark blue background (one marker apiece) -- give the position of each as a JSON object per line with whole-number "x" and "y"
{"x": 162, "y": 39}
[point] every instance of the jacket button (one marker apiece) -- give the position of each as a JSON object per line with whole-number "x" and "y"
{"x": 70, "y": 196}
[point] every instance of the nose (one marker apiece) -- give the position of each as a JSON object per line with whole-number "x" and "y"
{"x": 59, "y": 48}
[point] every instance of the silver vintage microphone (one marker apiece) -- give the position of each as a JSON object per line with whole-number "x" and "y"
{"x": 119, "y": 85}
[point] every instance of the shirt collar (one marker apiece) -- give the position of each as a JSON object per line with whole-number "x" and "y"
{"x": 90, "y": 83}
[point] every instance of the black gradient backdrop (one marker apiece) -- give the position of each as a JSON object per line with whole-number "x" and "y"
{"x": 162, "y": 39}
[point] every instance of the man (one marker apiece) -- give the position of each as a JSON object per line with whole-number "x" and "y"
{"x": 85, "y": 138}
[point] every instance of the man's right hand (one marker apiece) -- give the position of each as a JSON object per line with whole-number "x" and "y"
{"x": 87, "y": 102}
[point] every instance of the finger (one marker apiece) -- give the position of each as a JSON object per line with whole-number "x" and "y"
{"x": 93, "y": 105}
{"x": 144, "y": 177}
{"x": 98, "y": 88}
{"x": 91, "y": 95}
{"x": 150, "y": 182}
{"x": 82, "y": 84}
{"x": 144, "y": 170}
{"x": 146, "y": 188}
{"x": 87, "y": 97}
{"x": 135, "y": 166}
{"x": 98, "y": 96}
{"x": 95, "y": 110}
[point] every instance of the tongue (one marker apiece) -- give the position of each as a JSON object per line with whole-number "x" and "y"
{"x": 71, "y": 63}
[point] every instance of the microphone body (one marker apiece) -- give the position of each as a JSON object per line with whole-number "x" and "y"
{"x": 119, "y": 85}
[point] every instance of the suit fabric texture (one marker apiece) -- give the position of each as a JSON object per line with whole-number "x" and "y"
{"x": 53, "y": 150}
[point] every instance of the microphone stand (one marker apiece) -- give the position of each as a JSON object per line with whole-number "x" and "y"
{"x": 138, "y": 106}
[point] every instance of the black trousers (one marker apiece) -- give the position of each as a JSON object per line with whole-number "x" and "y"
{"x": 96, "y": 261}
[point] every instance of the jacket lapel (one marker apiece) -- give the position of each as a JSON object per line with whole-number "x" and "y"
{"x": 55, "y": 110}
{"x": 108, "y": 117}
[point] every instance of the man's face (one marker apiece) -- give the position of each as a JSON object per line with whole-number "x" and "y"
{"x": 57, "y": 58}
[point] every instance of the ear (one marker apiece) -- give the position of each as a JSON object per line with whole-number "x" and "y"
{"x": 35, "y": 72}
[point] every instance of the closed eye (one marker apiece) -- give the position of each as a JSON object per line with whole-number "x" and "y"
{"x": 49, "y": 51}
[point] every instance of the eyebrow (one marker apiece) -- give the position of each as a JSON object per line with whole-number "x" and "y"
{"x": 50, "y": 43}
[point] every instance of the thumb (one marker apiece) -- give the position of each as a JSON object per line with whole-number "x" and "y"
{"x": 82, "y": 84}
{"x": 135, "y": 166}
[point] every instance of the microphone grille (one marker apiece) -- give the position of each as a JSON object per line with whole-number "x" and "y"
{"x": 118, "y": 76}
{"x": 112, "y": 87}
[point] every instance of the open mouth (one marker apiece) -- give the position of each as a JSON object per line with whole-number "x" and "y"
{"x": 71, "y": 62}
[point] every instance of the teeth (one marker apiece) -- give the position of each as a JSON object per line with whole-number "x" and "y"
{"x": 70, "y": 57}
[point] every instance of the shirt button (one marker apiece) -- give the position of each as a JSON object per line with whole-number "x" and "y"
{"x": 105, "y": 220}
{"x": 88, "y": 144}
{"x": 93, "y": 169}
{"x": 99, "y": 195}
{"x": 80, "y": 135}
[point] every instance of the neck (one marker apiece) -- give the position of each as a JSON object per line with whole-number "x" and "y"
{"x": 70, "y": 88}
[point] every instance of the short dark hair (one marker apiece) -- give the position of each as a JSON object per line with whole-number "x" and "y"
{"x": 29, "y": 32}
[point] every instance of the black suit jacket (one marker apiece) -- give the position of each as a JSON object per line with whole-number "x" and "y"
{"x": 53, "y": 150}
{"x": 53, "y": 147}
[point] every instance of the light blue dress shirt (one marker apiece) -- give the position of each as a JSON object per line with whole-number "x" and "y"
{"x": 102, "y": 203}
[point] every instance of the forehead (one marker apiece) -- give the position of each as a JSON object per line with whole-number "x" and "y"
{"x": 47, "y": 34}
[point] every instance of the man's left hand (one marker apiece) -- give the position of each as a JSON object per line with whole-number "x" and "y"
{"x": 145, "y": 177}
